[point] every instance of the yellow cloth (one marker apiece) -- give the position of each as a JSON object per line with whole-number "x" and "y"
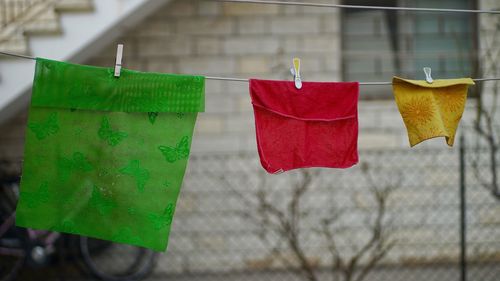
{"x": 431, "y": 110}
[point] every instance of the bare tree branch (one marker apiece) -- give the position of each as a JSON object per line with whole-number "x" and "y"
{"x": 285, "y": 221}
{"x": 484, "y": 125}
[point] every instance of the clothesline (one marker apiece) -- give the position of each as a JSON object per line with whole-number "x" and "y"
{"x": 247, "y": 80}
{"x": 360, "y": 83}
{"x": 316, "y": 129}
{"x": 323, "y": 5}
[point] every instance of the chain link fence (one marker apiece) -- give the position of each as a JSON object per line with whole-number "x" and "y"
{"x": 483, "y": 206}
{"x": 394, "y": 216}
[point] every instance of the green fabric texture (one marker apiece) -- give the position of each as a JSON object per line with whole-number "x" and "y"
{"x": 96, "y": 88}
{"x": 105, "y": 157}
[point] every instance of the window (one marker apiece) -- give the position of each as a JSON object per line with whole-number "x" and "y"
{"x": 378, "y": 44}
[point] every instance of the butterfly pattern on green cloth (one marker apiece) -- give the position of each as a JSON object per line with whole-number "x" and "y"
{"x": 107, "y": 134}
{"x": 96, "y": 144}
{"x": 125, "y": 234}
{"x": 38, "y": 197}
{"x": 163, "y": 220}
{"x": 45, "y": 128}
{"x": 134, "y": 169}
{"x": 78, "y": 162}
{"x": 180, "y": 151}
{"x": 167, "y": 184}
{"x": 67, "y": 225}
{"x": 131, "y": 211}
{"x": 152, "y": 117}
{"x": 100, "y": 202}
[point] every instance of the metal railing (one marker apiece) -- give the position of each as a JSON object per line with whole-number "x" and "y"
{"x": 17, "y": 15}
{"x": 12, "y": 10}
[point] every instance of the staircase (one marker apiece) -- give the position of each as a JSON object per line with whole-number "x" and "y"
{"x": 20, "y": 19}
{"x": 66, "y": 30}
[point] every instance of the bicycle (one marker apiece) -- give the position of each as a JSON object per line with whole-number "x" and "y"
{"x": 20, "y": 247}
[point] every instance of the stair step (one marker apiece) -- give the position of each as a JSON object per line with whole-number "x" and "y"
{"x": 17, "y": 45}
{"x": 41, "y": 19}
{"x": 46, "y": 22}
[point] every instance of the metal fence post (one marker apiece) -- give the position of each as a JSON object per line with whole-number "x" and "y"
{"x": 463, "y": 225}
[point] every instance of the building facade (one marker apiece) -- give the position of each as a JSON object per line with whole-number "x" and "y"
{"x": 249, "y": 40}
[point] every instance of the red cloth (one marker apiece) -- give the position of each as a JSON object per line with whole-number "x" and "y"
{"x": 316, "y": 126}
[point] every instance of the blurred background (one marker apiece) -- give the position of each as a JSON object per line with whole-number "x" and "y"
{"x": 394, "y": 216}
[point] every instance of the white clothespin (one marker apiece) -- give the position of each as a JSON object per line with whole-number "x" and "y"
{"x": 119, "y": 56}
{"x": 428, "y": 77}
{"x": 296, "y": 73}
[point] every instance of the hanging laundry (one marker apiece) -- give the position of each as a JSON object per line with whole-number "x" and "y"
{"x": 431, "y": 110}
{"x": 105, "y": 157}
{"x": 316, "y": 126}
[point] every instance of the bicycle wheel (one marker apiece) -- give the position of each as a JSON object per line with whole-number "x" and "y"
{"x": 116, "y": 262}
{"x": 12, "y": 250}
{"x": 11, "y": 264}
{"x": 12, "y": 256}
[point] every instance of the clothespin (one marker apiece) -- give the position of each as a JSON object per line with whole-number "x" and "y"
{"x": 296, "y": 73}
{"x": 428, "y": 77}
{"x": 119, "y": 56}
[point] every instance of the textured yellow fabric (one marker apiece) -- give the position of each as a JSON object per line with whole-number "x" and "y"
{"x": 431, "y": 110}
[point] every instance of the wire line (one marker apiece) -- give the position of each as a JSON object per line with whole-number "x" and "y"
{"x": 341, "y": 6}
{"x": 17, "y": 55}
{"x": 247, "y": 80}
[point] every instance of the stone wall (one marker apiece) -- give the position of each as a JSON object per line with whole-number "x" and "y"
{"x": 232, "y": 40}
{"x": 239, "y": 40}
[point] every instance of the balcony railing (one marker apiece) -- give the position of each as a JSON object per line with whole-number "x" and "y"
{"x": 12, "y": 10}
{"x": 19, "y": 16}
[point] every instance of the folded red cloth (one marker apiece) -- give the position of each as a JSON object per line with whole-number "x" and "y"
{"x": 316, "y": 126}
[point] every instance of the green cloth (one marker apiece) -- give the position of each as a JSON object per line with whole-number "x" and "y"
{"x": 104, "y": 156}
